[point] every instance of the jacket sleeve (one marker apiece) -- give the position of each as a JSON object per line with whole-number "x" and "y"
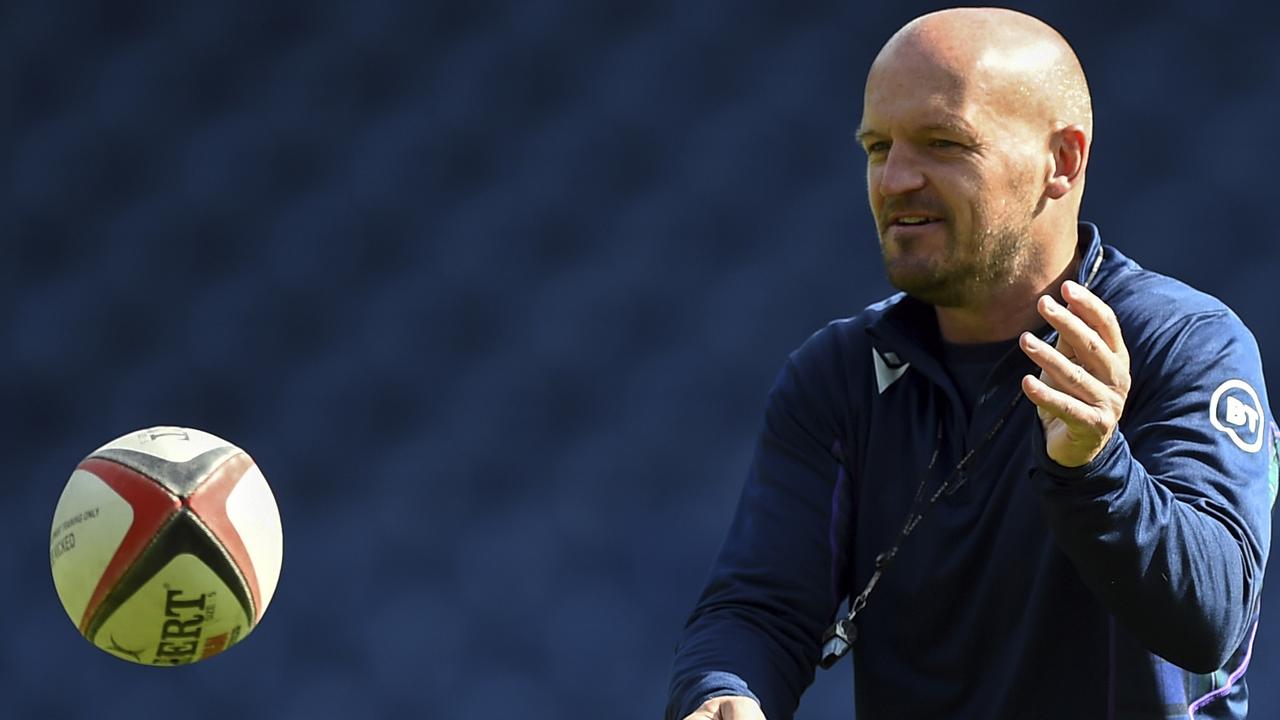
{"x": 1170, "y": 525}
{"x": 756, "y": 629}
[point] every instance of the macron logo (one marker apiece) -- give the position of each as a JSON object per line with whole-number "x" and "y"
{"x": 888, "y": 369}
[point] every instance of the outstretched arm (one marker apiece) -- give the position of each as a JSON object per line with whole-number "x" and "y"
{"x": 756, "y": 629}
{"x": 1167, "y": 521}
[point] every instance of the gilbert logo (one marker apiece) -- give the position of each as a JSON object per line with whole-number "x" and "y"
{"x": 1236, "y": 411}
{"x": 180, "y": 633}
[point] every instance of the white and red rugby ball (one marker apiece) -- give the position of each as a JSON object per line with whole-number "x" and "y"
{"x": 166, "y": 546}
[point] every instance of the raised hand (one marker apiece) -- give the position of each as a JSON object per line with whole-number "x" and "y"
{"x": 1084, "y": 379}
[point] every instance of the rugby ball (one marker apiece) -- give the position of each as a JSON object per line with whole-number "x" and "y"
{"x": 166, "y": 546}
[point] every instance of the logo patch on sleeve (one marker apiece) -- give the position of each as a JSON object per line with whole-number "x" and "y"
{"x": 1236, "y": 411}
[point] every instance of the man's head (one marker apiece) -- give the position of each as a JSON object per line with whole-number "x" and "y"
{"x": 977, "y": 125}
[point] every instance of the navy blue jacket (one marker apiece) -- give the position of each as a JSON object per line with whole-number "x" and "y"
{"x": 1127, "y": 588}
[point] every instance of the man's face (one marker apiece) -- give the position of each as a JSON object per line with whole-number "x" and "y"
{"x": 953, "y": 179}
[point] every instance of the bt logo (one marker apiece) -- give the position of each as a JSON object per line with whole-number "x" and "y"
{"x": 1236, "y": 411}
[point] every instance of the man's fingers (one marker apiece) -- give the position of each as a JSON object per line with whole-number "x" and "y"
{"x": 1082, "y": 343}
{"x": 1063, "y": 374}
{"x": 741, "y": 710}
{"x": 1064, "y": 407}
{"x": 728, "y": 708}
{"x": 1096, "y": 313}
{"x": 1086, "y": 346}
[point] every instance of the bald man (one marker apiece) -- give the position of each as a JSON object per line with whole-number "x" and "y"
{"x": 1040, "y": 475}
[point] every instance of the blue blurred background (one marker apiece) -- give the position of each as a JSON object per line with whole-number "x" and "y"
{"x": 493, "y": 291}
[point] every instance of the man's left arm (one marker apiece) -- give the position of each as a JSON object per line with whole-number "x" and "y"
{"x": 1168, "y": 522}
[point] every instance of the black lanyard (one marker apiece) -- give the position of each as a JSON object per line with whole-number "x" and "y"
{"x": 838, "y": 638}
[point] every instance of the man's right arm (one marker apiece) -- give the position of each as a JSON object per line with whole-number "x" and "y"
{"x": 756, "y": 630}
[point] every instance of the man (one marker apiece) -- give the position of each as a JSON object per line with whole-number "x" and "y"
{"x": 1044, "y": 473}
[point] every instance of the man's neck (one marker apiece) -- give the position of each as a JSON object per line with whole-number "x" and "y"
{"x": 1005, "y": 314}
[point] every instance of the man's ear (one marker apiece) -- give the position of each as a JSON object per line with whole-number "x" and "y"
{"x": 1068, "y": 155}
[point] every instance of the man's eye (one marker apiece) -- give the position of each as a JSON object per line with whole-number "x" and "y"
{"x": 946, "y": 144}
{"x": 877, "y": 147}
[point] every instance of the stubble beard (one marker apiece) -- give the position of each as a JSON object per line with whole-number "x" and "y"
{"x": 996, "y": 258}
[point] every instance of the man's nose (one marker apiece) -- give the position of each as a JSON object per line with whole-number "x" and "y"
{"x": 900, "y": 172}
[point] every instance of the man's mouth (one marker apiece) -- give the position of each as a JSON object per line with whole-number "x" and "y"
{"x": 914, "y": 220}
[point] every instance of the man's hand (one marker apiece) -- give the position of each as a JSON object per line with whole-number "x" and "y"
{"x": 1084, "y": 381}
{"x": 728, "y": 708}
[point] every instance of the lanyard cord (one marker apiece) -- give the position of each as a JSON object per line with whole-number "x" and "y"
{"x": 838, "y": 638}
